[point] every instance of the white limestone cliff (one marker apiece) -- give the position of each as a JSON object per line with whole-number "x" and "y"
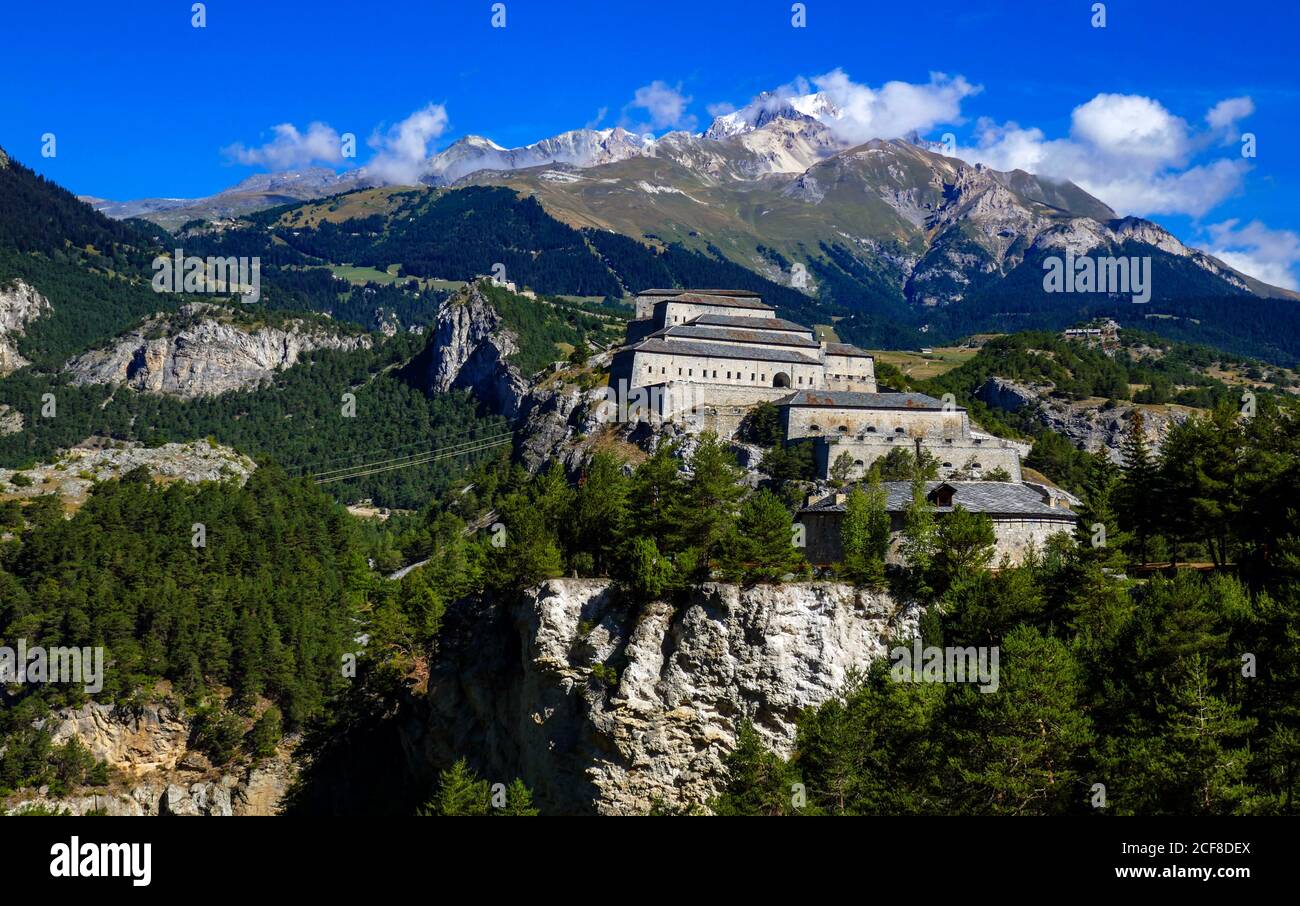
{"x": 514, "y": 686}
{"x": 20, "y": 304}
{"x": 199, "y": 352}
{"x": 471, "y": 350}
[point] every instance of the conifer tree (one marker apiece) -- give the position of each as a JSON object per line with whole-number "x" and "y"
{"x": 762, "y": 548}
{"x": 655, "y": 507}
{"x": 865, "y": 535}
{"x": 919, "y": 535}
{"x": 964, "y": 543}
{"x": 648, "y": 574}
{"x": 519, "y": 801}
{"x": 460, "y": 793}
{"x": 758, "y": 782}
{"x": 1138, "y": 489}
{"x": 601, "y": 510}
{"x": 1017, "y": 751}
{"x": 708, "y": 509}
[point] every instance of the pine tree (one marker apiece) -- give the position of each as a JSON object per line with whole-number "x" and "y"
{"x": 1138, "y": 488}
{"x": 842, "y": 469}
{"x": 708, "y": 507}
{"x": 1017, "y": 750}
{"x": 519, "y": 801}
{"x": 758, "y": 782}
{"x": 655, "y": 499}
{"x": 964, "y": 543}
{"x": 919, "y": 536}
{"x": 601, "y": 510}
{"x": 648, "y": 574}
{"x": 460, "y": 793}
{"x": 762, "y": 548}
{"x": 865, "y": 535}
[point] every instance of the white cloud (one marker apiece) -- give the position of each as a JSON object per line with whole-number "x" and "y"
{"x": 402, "y": 150}
{"x": 1225, "y": 114}
{"x": 1129, "y": 151}
{"x": 892, "y": 110}
{"x": 665, "y": 106}
{"x": 1265, "y": 254}
{"x": 320, "y": 144}
{"x": 1130, "y": 126}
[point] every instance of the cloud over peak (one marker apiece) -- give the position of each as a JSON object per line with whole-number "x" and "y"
{"x": 290, "y": 148}
{"x": 1129, "y": 151}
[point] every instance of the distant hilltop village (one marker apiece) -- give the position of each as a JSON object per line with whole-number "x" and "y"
{"x": 705, "y": 357}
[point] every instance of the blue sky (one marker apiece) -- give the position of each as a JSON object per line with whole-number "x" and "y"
{"x": 143, "y": 104}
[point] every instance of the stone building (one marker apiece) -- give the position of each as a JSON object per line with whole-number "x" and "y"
{"x": 867, "y": 426}
{"x": 732, "y": 349}
{"x": 1023, "y": 516}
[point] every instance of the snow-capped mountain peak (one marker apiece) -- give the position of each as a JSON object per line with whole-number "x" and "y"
{"x": 770, "y": 106}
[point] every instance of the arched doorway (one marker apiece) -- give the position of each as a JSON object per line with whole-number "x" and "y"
{"x": 781, "y": 379}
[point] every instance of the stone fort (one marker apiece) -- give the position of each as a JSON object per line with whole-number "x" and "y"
{"x": 709, "y": 355}
{"x": 705, "y": 357}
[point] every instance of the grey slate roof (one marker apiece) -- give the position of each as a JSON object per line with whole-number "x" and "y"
{"x": 694, "y": 331}
{"x": 847, "y": 349}
{"x": 721, "y": 300}
{"x": 751, "y": 322}
{"x": 722, "y": 351}
{"x": 707, "y": 292}
{"x": 996, "y": 498}
{"x": 845, "y": 399}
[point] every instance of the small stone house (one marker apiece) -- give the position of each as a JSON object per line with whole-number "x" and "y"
{"x": 1023, "y": 515}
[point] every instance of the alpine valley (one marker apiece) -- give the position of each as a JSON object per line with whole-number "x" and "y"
{"x": 373, "y": 543}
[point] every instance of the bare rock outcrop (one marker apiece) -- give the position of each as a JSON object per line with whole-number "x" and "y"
{"x": 75, "y": 471}
{"x": 201, "y": 351}
{"x": 20, "y": 304}
{"x": 1089, "y": 425}
{"x": 155, "y": 771}
{"x": 604, "y": 706}
{"x": 471, "y": 348}
{"x": 138, "y": 741}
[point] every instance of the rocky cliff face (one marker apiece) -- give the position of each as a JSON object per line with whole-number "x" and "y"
{"x": 1087, "y": 425}
{"x": 20, "y": 304}
{"x": 158, "y": 774}
{"x": 514, "y": 687}
{"x": 471, "y": 348}
{"x": 200, "y": 352}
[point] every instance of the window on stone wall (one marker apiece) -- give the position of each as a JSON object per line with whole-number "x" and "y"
{"x": 899, "y": 431}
